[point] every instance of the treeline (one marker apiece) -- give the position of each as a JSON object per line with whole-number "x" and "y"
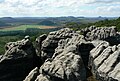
{"x": 28, "y": 31}
{"x": 47, "y": 23}
{"x": 3, "y": 24}
{"x": 108, "y": 23}
{"x": 11, "y": 36}
{"x": 102, "y": 23}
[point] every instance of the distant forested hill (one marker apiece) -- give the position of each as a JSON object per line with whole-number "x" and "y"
{"x": 106, "y": 22}
{"x": 3, "y": 24}
{"x": 47, "y": 23}
{"x": 102, "y": 23}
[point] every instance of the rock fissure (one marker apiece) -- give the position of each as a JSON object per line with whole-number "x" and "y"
{"x": 64, "y": 55}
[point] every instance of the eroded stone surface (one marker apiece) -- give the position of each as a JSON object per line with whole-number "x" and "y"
{"x": 65, "y": 56}
{"x": 51, "y": 42}
{"x": 17, "y": 61}
{"x": 105, "y": 63}
{"x": 101, "y": 33}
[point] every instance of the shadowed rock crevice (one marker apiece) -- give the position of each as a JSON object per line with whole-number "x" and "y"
{"x": 64, "y": 55}
{"x": 84, "y": 50}
{"x": 68, "y": 56}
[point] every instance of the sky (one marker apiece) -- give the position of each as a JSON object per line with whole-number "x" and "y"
{"x": 56, "y": 8}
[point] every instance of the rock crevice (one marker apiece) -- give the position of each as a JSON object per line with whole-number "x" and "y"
{"x": 64, "y": 55}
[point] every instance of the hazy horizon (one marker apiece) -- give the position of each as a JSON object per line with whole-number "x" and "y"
{"x": 58, "y": 16}
{"x": 58, "y": 8}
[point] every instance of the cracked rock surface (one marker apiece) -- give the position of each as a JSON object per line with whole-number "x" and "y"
{"x": 64, "y": 55}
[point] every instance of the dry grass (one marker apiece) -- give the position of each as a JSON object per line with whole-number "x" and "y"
{"x": 24, "y": 27}
{"x": 91, "y": 78}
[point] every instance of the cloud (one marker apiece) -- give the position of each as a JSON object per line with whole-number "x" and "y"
{"x": 103, "y": 1}
{"x": 59, "y": 7}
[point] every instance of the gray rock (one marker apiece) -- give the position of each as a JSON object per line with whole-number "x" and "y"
{"x": 42, "y": 77}
{"x": 51, "y": 42}
{"x": 17, "y": 61}
{"x": 32, "y": 75}
{"x": 39, "y": 41}
{"x": 65, "y": 62}
{"x": 115, "y": 73}
{"x": 66, "y": 66}
{"x": 102, "y": 33}
{"x": 105, "y": 62}
{"x": 68, "y": 56}
{"x": 27, "y": 37}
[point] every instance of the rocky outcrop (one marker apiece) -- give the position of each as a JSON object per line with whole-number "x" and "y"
{"x": 38, "y": 47}
{"x": 68, "y": 56}
{"x": 66, "y": 63}
{"x": 18, "y": 60}
{"x": 51, "y": 42}
{"x": 64, "y": 55}
{"x": 38, "y": 42}
{"x": 67, "y": 66}
{"x": 101, "y": 33}
{"x": 105, "y": 62}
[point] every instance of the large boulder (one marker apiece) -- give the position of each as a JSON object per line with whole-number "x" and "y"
{"x": 18, "y": 60}
{"x": 51, "y": 42}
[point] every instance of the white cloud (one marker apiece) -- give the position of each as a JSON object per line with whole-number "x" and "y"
{"x": 59, "y": 7}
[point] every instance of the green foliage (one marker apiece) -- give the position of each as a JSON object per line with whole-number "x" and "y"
{"x": 109, "y": 23}
{"x": 47, "y": 23}
{"x": 77, "y": 26}
{"x": 102, "y": 23}
{"x": 12, "y": 36}
{"x": 6, "y": 39}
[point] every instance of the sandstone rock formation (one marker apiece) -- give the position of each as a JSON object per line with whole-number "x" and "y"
{"x": 105, "y": 62}
{"x": 51, "y": 42}
{"x": 64, "y": 55}
{"x": 65, "y": 63}
{"x": 17, "y": 61}
{"x": 70, "y": 55}
{"x": 101, "y": 33}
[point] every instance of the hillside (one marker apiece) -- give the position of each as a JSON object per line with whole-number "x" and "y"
{"x": 57, "y": 20}
{"x": 47, "y": 23}
{"x": 108, "y": 23}
{"x": 2, "y": 24}
{"x": 101, "y": 23}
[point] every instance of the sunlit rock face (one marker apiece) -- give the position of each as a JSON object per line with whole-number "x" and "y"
{"x": 101, "y": 33}
{"x": 64, "y": 55}
{"x": 65, "y": 62}
{"x": 105, "y": 62}
{"x": 49, "y": 45}
{"x": 68, "y": 56}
